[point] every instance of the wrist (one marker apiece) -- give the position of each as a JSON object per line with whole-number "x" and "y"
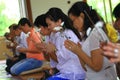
{"x": 55, "y": 50}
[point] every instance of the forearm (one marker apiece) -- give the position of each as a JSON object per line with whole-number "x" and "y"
{"x": 53, "y": 56}
{"x": 95, "y": 61}
{"x": 26, "y": 50}
{"x": 47, "y": 57}
{"x": 33, "y": 51}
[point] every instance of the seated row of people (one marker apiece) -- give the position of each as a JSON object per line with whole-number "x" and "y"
{"x": 72, "y": 44}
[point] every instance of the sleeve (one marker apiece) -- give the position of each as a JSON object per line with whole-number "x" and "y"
{"x": 95, "y": 37}
{"x": 23, "y": 42}
{"x": 62, "y": 52}
{"x": 36, "y": 37}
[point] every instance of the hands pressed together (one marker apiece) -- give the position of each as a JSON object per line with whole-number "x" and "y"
{"x": 110, "y": 50}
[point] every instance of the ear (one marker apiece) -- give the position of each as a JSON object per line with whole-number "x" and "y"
{"x": 82, "y": 15}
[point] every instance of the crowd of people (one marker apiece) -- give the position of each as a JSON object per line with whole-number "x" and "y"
{"x": 79, "y": 46}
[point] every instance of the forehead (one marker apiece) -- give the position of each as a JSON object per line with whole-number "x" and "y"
{"x": 72, "y": 17}
{"x": 48, "y": 19}
{"x": 21, "y": 27}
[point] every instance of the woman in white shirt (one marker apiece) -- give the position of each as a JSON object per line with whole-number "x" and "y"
{"x": 98, "y": 67}
{"x": 68, "y": 64}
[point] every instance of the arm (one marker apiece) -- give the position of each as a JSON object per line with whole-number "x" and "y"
{"x": 26, "y": 50}
{"x": 48, "y": 50}
{"x": 53, "y": 56}
{"x": 96, "y": 59}
{"x": 51, "y": 51}
{"x": 47, "y": 57}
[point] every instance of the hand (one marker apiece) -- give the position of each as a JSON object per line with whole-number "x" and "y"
{"x": 21, "y": 49}
{"x": 70, "y": 45}
{"x": 112, "y": 51}
{"x": 41, "y": 46}
{"x": 46, "y": 47}
{"x": 50, "y": 48}
{"x": 14, "y": 58}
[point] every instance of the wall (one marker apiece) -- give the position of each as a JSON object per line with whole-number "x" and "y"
{"x": 41, "y": 6}
{"x": 3, "y": 49}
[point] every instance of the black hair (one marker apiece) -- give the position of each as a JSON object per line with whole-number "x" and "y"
{"x": 15, "y": 27}
{"x": 116, "y": 11}
{"x": 11, "y": 26}
{"x": 6, "y": 34}
{"x": 24, "y": 21}
{"x": 91, "y": 16}
{"x": 55, "y": 14}
{"x": 40, "y": 21}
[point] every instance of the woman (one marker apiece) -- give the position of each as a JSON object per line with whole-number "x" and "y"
{"x": 98, "y": 67}
{"x": 41, "y": 24}
{"x": 68, "y": 64}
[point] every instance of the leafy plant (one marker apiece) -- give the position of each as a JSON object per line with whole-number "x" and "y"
{"x": 5, "y": 21}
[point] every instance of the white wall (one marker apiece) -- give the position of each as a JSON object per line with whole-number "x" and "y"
{"x": 41, "y": 6}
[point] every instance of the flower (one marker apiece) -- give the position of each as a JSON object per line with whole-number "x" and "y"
{"x": 112, "y": 33}
{"x": 27, "y": 35}
{"x": 59, "y": 28}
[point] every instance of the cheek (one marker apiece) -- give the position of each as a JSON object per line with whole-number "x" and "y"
{"x": 78, "y": 24}
{"x": 51, "y": 27}
{"x": 42, "y": 31}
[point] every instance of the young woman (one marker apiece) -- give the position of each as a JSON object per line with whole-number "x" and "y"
{"x": 98, "y": 67}
{"x": 41, "y": 24}
{"x": 68, "y": 64}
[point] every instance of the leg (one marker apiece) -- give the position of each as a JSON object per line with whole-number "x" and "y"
{"x": 24, "y": 65}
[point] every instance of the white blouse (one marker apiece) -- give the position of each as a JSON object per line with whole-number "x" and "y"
{"x": 92, "y": 43}
{"x": 68, "y": 63}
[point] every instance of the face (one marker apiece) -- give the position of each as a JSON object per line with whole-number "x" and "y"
{"x": 44, "y": 31}
{"x": 51, "y": 24}
{"x": 117, "y": 24}
{"x": 17, "y": 32}
{"x": 77, "y": 22}
{"x": 23, "y": 28}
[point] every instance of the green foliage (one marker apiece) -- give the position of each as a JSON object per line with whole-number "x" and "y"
{"x": 4, "y": 20}
{"x": 98, "y": 5}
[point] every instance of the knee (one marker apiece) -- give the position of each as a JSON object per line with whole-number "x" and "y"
{"x": 14, "y": 71}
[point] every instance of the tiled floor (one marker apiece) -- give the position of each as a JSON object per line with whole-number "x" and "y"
{"x": 5, "y": 76}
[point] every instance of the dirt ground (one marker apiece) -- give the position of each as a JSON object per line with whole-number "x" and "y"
{"x": 3, "y": 48}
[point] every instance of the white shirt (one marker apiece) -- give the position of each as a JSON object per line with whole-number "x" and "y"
{"x": 21, "y": 41}
{"x": 92, "y": 43}
{"x": 68, "y": 63}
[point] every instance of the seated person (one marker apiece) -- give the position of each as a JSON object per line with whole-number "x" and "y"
{"x": 43, "y": 27}
{"x": 19, "y": 40}
{"x": 34, "y": 57}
